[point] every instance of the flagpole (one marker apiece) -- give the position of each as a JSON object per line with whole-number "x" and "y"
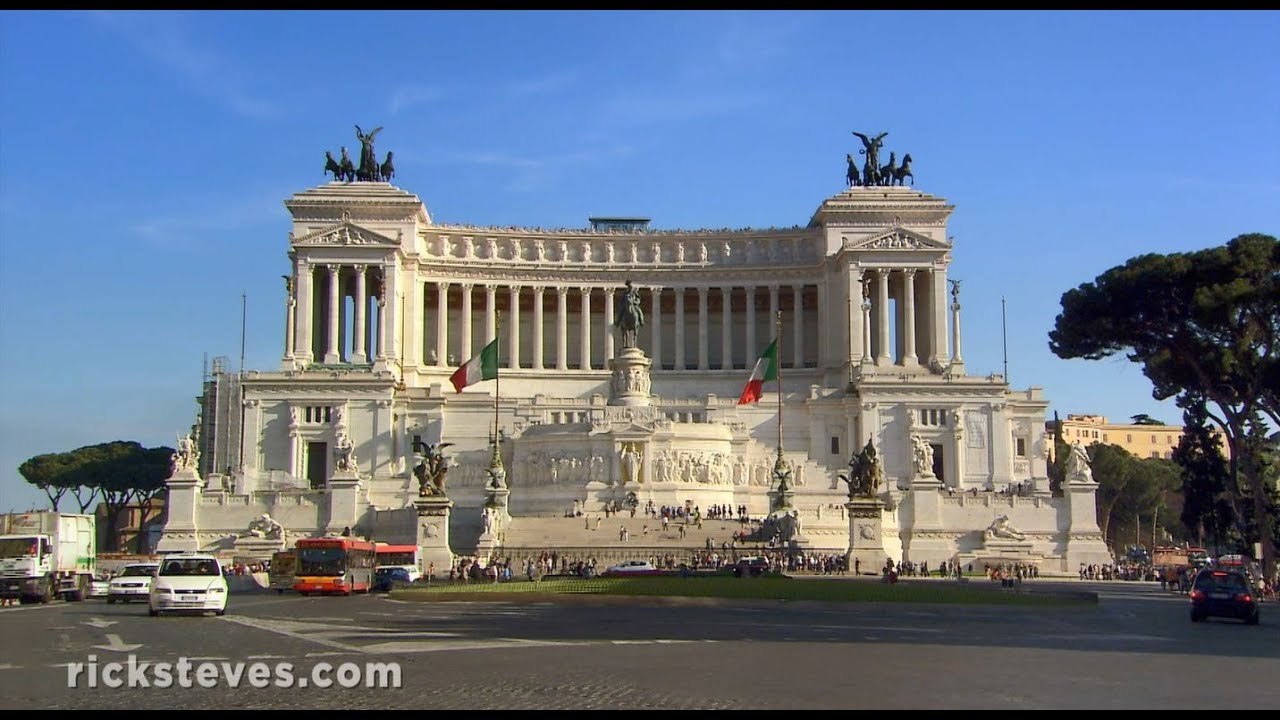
{"x": 497, "y": 377}
{"x": 779, "y": 359}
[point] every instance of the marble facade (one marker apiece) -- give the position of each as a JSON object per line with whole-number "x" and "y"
{"x": 382, "y": 305}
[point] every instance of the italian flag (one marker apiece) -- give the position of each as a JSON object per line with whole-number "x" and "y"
{"x": 481, "y": 367}
{"x": 766, "y": 370}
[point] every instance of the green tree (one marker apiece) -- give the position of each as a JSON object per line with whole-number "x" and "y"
{"x": 1202, "y": 324}
{"x": 50, "y": 473}
{"x": 1144, "y": 419}
{"x": 1206, "y": 509}
{"x": 1057, "y": 469}
{"x": 120, "y": 473}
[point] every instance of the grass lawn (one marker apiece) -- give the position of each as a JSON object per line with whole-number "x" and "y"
{"x": 769, "y": 587}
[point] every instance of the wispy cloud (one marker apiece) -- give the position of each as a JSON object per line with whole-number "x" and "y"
{"x": 195, "y": 228}
{"x": 409, "y": 95}
{"x": 759, "y": 38}
{"x": 518, "y": 162}
{"x": 165, "y": 38}
{"x": 532, "y": 173}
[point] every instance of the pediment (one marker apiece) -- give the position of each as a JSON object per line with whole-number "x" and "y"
{"x": 343, "y": 234}
{"x": 896, "y": 239}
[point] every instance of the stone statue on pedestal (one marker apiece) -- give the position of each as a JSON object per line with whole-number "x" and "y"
{"x": 630, "y": 316}
{"x": 1001, "y": 529}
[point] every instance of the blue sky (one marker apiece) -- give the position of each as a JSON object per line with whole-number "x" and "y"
{"x": 144, "y": 158}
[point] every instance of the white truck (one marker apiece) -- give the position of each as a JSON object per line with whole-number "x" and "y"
{"x": 45, "y": 553}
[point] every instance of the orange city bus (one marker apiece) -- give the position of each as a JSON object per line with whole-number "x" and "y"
{"x": 334, "y": 565}
{"x": 401, "y": 556}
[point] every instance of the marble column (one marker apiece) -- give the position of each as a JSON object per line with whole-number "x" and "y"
{"x": 537, "y": 327}
{"x": 938, "y": 316}
{"x": 702, "y": 328}
{"x": 415, "y": 341}
{"x": 513, "y": 322}
{"x": 679, "y": 360}
{"x": 909, "y": 358}
{"x": 608, "y": 322}
{"x": 773, "y": 316}
{"x": 655, "y": 320}
{"x": 331, "y": 354}
{"x": 290, "y": 317}
{"x": 858, "y": 349}
{"x": 585, "y": 331}
{"x": 442, "y": 324}
{"x": 464, "y": 349}
{"x": 752, "y": 352}
{"x": 306, "y": 311}
{"x": 359, "y": 354}
{"x": 956, "y": 358}
{"x": 797, "y": 321}
{"x": 562, "y": 328}
{"x": 490, "y": 313}
{"x": 726, "y": 325}
{"x": 866, "y": 330}
{"x": 882, "y": 316}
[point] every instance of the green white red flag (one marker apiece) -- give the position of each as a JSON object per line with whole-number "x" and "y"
{"x": 478, "y": 369}
{"x": 766, "y": 369}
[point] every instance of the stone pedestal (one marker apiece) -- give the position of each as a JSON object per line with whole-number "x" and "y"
{"x": 630, "y": 383}
{"x": 433, "y": 532}
{"x": 1085, "y": 543}
{"x": 926, "y": 482}
{"x": 866, "y": 534}
{"x": 180, "y": 526}
{"x": 998, "y": 550}
{"x": 255, "y": 548}
{"x": 344, "y": 497}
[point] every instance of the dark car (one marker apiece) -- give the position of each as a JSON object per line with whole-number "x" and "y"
{"x": 385, "y": 579}
{"x": 1223, "y": 593}
{"x": 753, "y": 566}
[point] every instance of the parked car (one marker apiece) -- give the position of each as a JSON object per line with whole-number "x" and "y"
{"x": 1223, "y": 593}
{"x": 134, "y": 583}
{"x": 100, "y": 587}
{"x": 753, "y": 566}
{"x": 633, "y": 567}
{"x": 385, "y": 578}
{"x": 189, "y": 582}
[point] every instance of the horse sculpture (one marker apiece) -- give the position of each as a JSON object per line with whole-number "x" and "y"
{"x": 887, "y": 171}
{"x": 851, "y": 176}
{"x": 904, "y": 171}
{"x": 346, "y": 170}
{"x": 387, "y": 171}
{"x": 331, "y": 166}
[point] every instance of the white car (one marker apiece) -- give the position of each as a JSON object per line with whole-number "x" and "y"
{"x": 100, "y": 587}
{"x": 134, "y": 583}
{"x": 633, "y": 567}
{"x": 189, "y": 582}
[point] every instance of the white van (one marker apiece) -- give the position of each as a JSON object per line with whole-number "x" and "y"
{"x": 189, "y": 582}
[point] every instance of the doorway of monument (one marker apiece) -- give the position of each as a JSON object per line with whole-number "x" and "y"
{"x": 317, "y": 465}
{"x": 938, "y": 464}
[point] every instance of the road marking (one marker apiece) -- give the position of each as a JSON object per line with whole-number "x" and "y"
{"x": 7, "y": 666}
{"x": 325, "y": 654}
{"x": 99, "y": 623}
{"x": 260, "y": 625}
{"x": 118, "y": 645}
